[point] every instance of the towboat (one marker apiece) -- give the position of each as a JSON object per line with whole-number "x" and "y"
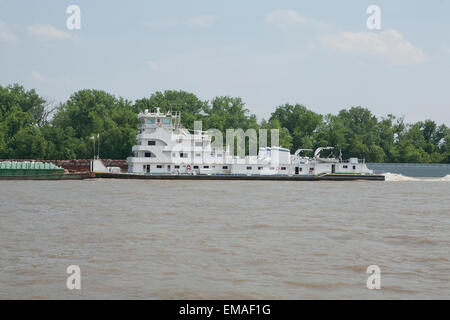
{"x": 165, "y": 149}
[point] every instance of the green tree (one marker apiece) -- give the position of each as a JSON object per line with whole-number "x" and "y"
{"x": 28, "y": 143}
{"x": 27, "y": 132}
{"x": 94, "y": 112}
{"x": 303, "y": 124}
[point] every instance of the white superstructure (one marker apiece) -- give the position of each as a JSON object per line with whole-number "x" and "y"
{"x": 165, "y": 147}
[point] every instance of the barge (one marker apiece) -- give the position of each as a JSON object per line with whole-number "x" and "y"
{"x": 35, "y": 170}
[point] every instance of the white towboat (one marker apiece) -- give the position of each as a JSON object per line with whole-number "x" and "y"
{"x": 164, "y": 147}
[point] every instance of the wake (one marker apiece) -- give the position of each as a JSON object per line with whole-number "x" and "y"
{"x": 399, "y": 177}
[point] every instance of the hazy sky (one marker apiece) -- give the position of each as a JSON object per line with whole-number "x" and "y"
{"x": 317, "y": 53}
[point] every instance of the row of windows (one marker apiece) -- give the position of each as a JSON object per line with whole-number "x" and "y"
{"x": 158, "y": 120}
{"x": 186, "y": 155}
{"x": 153, "y": 143}
{"x": 150, "y": 155}
{"x": 271, "y": 168}
{"x": 178, "y": 167}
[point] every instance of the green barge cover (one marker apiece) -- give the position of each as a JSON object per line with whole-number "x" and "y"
{"x": 28, "y": 168}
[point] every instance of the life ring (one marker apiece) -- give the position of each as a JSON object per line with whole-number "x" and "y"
{"x": 278, "y": 168}
{"x": 188, "y": 167}
{"x": 159, "y": 124}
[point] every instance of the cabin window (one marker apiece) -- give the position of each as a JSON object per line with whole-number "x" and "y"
{"x": 354, "y": 167}
{"x": 177, "y": 167}
{"x": 283, "y": 168}
{"x": 260, "y": 168}
{"x": 301, "y": 169}
{"x": 205, "y": 167}
{"x": 225, "y": 167}
{"x": 272, "y": 168}
{"x": 195, "y": 167}
{"x": 311, "y": 169}
{"x": 249, "y": 168}
{"x": 151, "y": 142}
{"x": 183, "y": 155}
{"x": 166, "y": 121}
{"x": 149, "y": 155}
{"x": 198, "y": 155}
{"x": 150, "y": 121}
{"x": 158, "y": 120}
{"x": 198, "y": 144}
{"x": 159, "y": 166}
{"x": 219, "y": 155}
{"x": 345, "y": 167}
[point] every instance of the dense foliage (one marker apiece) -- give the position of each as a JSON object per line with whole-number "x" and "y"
{"x": 31, "y": 129}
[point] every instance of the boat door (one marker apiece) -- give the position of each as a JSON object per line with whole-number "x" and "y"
{"x": 296, "y": 170}
{"x": 147, "y": 168}
{"x": 333, "y": 168}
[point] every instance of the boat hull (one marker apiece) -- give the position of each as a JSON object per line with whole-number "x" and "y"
{"x": 324, "y": 177}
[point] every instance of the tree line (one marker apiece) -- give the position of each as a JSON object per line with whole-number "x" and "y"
{"x": 32, "y": 127}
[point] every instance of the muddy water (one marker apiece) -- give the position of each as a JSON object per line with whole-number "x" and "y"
{"x": 224, "y": 239}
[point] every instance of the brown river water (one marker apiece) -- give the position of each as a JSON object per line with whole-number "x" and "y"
{"x": 150, "y": 239}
